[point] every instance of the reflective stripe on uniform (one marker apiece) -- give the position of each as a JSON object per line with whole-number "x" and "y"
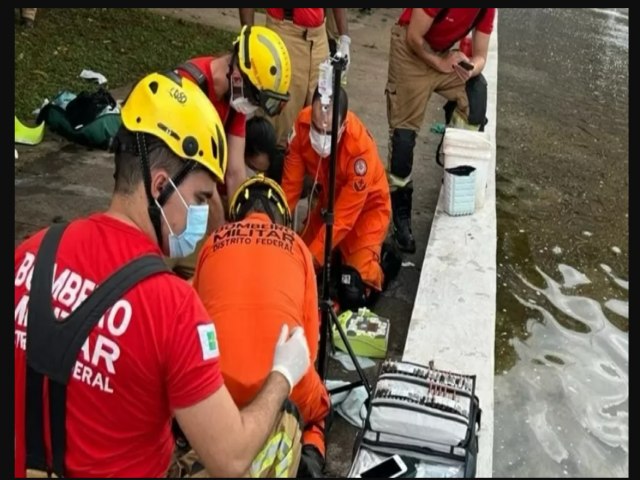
{"x": 277, "y": 451}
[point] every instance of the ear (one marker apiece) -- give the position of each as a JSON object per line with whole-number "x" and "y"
{"x": 159, "y": 181}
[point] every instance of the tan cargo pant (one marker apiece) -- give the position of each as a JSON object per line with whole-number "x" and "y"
{"x": 279, "y": 457}
{"x": 28, "y": 13}
{"x": 411, "y": 82}
{"x": 39, "y": 474}
{"x": 307, "y": 47}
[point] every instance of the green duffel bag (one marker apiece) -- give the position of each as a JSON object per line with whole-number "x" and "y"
{"x": 91, "y": 119}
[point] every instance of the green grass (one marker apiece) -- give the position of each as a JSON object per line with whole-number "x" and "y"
{"x": 121, "y": 43}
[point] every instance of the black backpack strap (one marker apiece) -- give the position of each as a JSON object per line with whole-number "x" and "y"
{"x": 53, "y": 345}
{"x": 477, "y": 20}
{"x": 440, "y": 15}
{"x": 288, "y": 13}
{"x": 203, "y": 83}
{"x": 443, "y": 12}
{"x": 197, "y": 74}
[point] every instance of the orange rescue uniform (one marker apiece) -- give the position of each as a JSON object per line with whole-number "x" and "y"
{"x": 252, "y": 277}
{"x": 362, "y": 202}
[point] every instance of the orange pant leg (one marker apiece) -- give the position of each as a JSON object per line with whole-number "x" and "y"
{"x": 361, "y": 248}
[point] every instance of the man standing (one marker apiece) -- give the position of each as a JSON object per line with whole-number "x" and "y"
{"x": 362, "y": 206}
{"x": 422, "y": 61}
{"x": 304, "y": 33}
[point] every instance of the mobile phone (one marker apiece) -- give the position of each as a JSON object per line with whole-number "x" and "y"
{"x": 391, "y": 467}
{"x": 466, "y": 65}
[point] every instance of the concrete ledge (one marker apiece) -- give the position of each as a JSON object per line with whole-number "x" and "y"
{"x": 453, "y": 319}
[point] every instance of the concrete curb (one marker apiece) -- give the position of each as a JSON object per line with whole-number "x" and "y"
{"x": 453, "y": 318}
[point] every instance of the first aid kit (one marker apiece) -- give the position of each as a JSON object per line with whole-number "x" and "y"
{"x": 426, "y": 416}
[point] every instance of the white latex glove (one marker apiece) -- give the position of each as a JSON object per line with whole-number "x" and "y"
{"x": 343, "y": 48}
{"x": 291, "y": 357}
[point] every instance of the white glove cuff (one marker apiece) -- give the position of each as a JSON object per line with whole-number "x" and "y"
{"x": 344, "y": 39}
{"x": 283, "y": 371}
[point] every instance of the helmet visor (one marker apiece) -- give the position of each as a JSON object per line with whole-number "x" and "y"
{"x": 271, "y": 102}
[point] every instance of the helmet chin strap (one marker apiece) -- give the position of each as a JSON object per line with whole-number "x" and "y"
{"x": 152, "y": 208}
{"x": 234, "y": 56}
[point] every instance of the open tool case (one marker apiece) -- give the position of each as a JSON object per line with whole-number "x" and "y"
{"x": 429, "y": 417}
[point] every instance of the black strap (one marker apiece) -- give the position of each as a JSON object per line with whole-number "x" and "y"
{"x": 288, "y": 13}
{"x": 197, "y": 74}
{"x": 443, "y": 13}
{"x": 53, "y": 345}
{"x": 57, "y": 419}
{"x": 203, "y": 83}
{"x": 34, "y": 421}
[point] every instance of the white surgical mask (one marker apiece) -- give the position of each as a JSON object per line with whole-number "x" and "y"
{"x": 184, "y": 244}
{"x": 321, "y": 143}
{"x": 243, "y": 105}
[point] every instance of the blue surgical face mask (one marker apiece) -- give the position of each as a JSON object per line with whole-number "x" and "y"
{"x": 184, "y": 244}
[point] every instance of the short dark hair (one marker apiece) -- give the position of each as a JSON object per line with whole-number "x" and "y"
{"x": 343, "y": 103}
{"x": 260, "y": 137}
{"x": 128, "y": 173}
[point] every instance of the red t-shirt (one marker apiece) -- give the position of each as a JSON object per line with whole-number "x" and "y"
{"x": 152, "y": 352}
{"x": 305, "y": 17}
{"x": 453, "y": 26}
{"x": 237, "y": 125}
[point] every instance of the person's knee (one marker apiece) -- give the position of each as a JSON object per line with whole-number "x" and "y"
{"x": 403, "y": 142}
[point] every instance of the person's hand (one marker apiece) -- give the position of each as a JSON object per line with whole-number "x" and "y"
{"x": 311, "y": 463}
{"x": 448, "y": 62}
{"x": 291, "y": 358}
{"x": 343, "y": 48}
{"x": 462, "y": 72}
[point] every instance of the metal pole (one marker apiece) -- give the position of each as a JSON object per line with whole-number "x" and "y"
{"x": 327, "y": 309}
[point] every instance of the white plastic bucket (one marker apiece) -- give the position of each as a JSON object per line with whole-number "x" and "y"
{"x": 468, "y": 147}
{"x": 459, "y": 190}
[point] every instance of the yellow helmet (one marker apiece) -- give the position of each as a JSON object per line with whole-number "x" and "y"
{"x": 264, "y": 60}
{"x": 258, "y": 188}
{"x": 177, "y": 112}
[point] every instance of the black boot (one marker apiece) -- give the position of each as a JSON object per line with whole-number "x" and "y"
{"x": 311, "y": 463}
{"x": 391, "y": 263}
{"x": 401, "y": 206}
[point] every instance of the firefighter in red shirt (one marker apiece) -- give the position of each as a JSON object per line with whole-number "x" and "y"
{"x": 255, "y": 75}
{"x": 362, "y": 205}
{"x": 114, "y": 374}
{"x": 423, "y": 60}
{"x": 304, "y": 33}
{"x": 252, "y": 274}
